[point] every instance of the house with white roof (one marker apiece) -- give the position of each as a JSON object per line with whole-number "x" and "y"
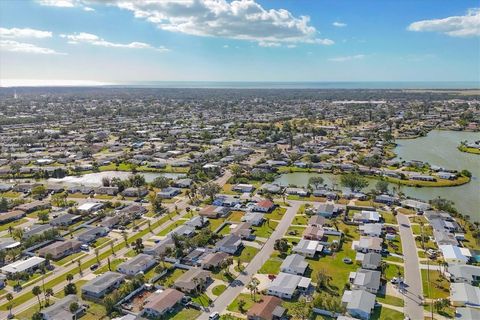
{"x": 286, "y": 285}
{"x": 308, "y": 248}
{"x": 455, "y": 254}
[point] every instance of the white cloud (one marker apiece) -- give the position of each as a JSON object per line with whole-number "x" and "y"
{"x": 14, "y": 33}
{"x": 58, "y": 3}
{"x": 66, "y": 4}
{"x": 15, "y": 46}
{"x": 226, "y": 46}
{"x": 269, "y": 44}
{"x": 240, "y": 19}
{"x": 95, "y": 40}
{"x": 339, "y": 24}
{"x": 455, "y": 26}
{"x": 347, "y": 58}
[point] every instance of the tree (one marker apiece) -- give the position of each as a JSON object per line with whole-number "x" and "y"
{"x": 315, "y": 181}
{"x": 241, "y": 305}
{"x": 9, "y": 297}
{"x": 74, "y": 308}
{"x": 39, "y": 192}
{"x": 301, "y": 309}
{"x": 69, "y": 278}
{"x": 156, "y": 202}
{"x": 137, "y": 180}
{"x": 70, "y": 288}
{"x": 323, "y": 279}
{"x": 210, "y": 189}
{"x": 43, "y": 216}
{"x": 353, "y": 181}
{"x": 125, "y": 238}
{"x": 17, "y": 233}
{"x": 3, "y": 205}
{"x": 36, "y": 292}
{"x": 236, "y": 170}
{"x": 382, "y": 186}
{"x": 48, "y": 294}
{"x": 253, "y": 287}
{"x": 97, "y": 251}
{"x": 281, "y": 245}
{"x": 160, "y": 182}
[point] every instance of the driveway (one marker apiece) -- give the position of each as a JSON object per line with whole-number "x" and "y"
{"x": 414, "y": 293}
{"x": 222, "y": 302}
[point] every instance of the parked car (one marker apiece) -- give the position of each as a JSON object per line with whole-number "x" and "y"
{"x": 347, "y": 260}
{"x": 94, "y": 267}
{"x": 214, "y": 316}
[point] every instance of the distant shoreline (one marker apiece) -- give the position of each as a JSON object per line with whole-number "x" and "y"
{"x": 337, "y": 85}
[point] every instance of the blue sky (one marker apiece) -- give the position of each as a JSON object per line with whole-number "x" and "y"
{"x": 248, "y": 40}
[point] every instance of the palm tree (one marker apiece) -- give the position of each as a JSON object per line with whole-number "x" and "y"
{"x": 9, "y": 297}
{"x": 48, "y": 294}
{"x": 36, "y": 292}
{"x": 253, "y": 287}
{"x": 79, "y": 265}
{"x": 69, "y": 278}
{"x": 111, "y": 248}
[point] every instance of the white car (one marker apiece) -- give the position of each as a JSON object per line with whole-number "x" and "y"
{"x": 215, "y": 315}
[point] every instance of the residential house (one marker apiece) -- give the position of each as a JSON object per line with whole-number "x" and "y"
{"x": 60, "y": 249}
{"x": 371, "y": 260}
{"x": 11, "y": 216}
{"x": 317, "y": 221}
{"x": 294, "y": 264}
{"x": 161, "y": 303}
{"x": 464, "y": 273}
{"x": 286, "y": 285}
{"x": 229, "y": 244}
{"x": 241, "y": 187}
{"x": 168, "y": 193}
{"x": 368, "y": 244}
{"x": 371, "y": 229}
{"x": 135, "y": 192}
{"x": 92, "y": 234}
{"x": 455, "y": 254}
{"x": 214, "y": 260}
{"x": 365, "y": 216}
{"x": 364, "y": 279}
{"x": 60, "y": 310}
{"x": 243, "y": 230}
{"x": 313, "y": 233}
{"x": 269, "y": 308}
{"x": 214, "y": 212}
{"x": 140, "y": 263}
{"x": 192, "y": 280}
{"x": 29, "y": 265}
{"x": 308, "y": 248}
{"x": 254, "y": 218}
{"x": 64, "y": 220}
{"x": 264, "y": 206}
{"x": 103, "y": 284}
{"x": 464, "y": 295}
{"x": 90, "y": 207}
{"x": 34, "y": 206}
{"x": 359, "y": 303}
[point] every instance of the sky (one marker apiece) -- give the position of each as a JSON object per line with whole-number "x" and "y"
{"x": 120, "y": 41}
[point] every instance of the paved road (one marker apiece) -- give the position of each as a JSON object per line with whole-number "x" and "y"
{"x": 221, "y": 303}
{"x": 413, "y": 279}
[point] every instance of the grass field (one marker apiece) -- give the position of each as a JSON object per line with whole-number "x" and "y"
{"x": 439, "y": 285}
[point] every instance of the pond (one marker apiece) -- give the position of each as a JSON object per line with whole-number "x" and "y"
{"x": 437, "y": 148}
{"x": 95, "y": 179}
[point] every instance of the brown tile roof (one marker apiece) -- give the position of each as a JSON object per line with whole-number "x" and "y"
{"x": 264, "y": 309}
{"x": 164, "y": 300}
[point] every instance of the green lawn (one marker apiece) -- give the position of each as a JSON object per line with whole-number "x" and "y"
{"x": 218, "y": 290}
{"x": 236, "y": 216}
{"x": 174, "y": 225}
{"x": 295, "y": 231}
{"x": 383, "y": 313}
{"x": 69, "y": 259}
{"x": 247, "y": 298}
{"x": 300, "y": 219}
{"x": 171, "y": 276}
{"x": 113, "y": 265}
{"x": 202, "y": 300}
{"x": 272, "y": 265}
{"x": 391, "y": 300}
{"x": 439, "y": 285}
{"x": 276, "y": 214}
{"x": 266, "y": 229}
{"x": 12, "y": 224}
{"x": 215, "y": 223}
{"x": 392, "y": 271}
{"x": 185, "y": 313}
{"x": 247, "y": 254}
